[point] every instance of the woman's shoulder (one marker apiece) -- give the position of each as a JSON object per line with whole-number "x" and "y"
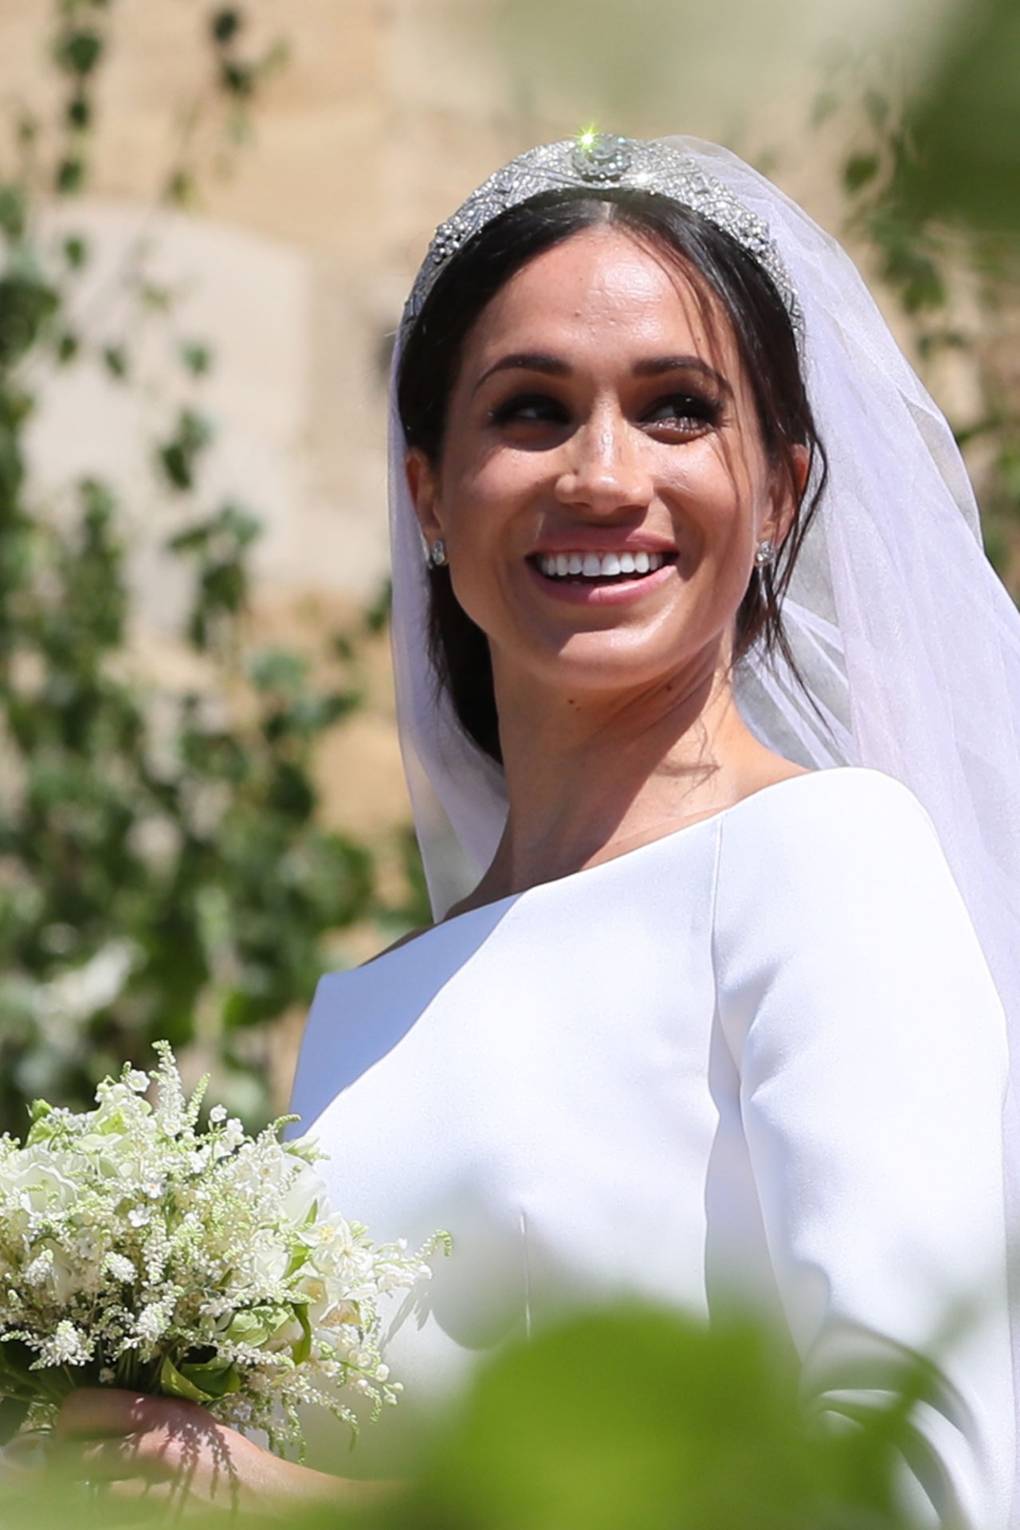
{"x": 853, "y": 802}
{"x": 845, "y": 857}
{"x": 825, "y": 844}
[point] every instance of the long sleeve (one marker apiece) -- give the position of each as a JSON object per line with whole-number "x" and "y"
{"x": 871, "y": 1050}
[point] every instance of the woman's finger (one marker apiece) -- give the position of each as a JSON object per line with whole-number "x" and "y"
{"x": 174, "y": 1493}
{"x": 132, "y": 1490}
{"x": 105, "y": 1461}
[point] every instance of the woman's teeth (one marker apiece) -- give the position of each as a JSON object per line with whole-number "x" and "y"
{"x": 598, "y": 566}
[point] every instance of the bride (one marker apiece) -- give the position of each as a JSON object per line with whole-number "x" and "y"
{"x": 701, "y": 667}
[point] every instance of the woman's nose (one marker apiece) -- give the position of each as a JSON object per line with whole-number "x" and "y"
{"x": 604, "y": 469}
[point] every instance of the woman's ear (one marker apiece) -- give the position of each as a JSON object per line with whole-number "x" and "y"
{"x": 423, "y": 482}
{"x": 787, "y": 493}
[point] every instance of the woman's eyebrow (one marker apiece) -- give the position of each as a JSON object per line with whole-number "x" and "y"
{"x": 553, "y": 366}
{"x": 656, "y": 365}
{"x": 526, "y": 361}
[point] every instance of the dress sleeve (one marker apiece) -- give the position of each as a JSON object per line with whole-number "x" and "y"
{"x": 871, "y": 1048}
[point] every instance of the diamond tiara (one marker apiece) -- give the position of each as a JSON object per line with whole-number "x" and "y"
{"x": 596, "y": 161}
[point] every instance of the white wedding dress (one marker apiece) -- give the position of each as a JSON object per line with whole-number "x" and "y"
{"x": 761, "y": 1056}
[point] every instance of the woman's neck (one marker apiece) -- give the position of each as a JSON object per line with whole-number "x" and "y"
{"x": 588, "y": 779}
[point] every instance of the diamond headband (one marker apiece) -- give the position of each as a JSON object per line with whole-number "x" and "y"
{"x": 597, "y": 161}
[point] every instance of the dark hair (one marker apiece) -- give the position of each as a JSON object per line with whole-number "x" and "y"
{"x": 716, "y": 264}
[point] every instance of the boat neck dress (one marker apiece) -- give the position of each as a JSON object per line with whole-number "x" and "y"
{"x": 759, "y": 1058}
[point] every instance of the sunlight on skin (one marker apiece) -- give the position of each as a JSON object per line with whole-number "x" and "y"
{"x": 167, "y": 1453}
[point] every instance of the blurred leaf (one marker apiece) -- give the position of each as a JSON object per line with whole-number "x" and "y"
{"x": 70, "y": 175}
{"x": 180, "y": 188}
{"x": 68, "y": 346}
{"x": 27, "y": 304}
{"x": 197, "y": 357}
{"x": 226, "y": 24}
{"x": 26, "y": 128}
{"x": 76, "y": 251}
{"x": 858, "y": 170}
{"x": 237, "y": 78}
{"x": 641, "y": 1417}
{"x": 377, "y": 615}
{"x": 279, "y": 669}
{"x": 276, "y": 57}
{"x": 79, "y": 112}
{"x": 12, "y": 210}
{"x": 78, "y": 51}
{"x": 966, "y": 123}
{"x": 178, "y": 456}
{"x": 115, "y": 361}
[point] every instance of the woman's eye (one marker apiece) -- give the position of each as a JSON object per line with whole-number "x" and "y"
{"x": 527, "y": 409}
{"x": 689, "y": 411}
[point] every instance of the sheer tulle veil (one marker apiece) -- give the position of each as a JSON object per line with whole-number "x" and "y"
{"x": 908, "y": 642}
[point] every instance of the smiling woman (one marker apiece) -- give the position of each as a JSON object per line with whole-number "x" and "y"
{"x": 684, "y": 294}
{"x": 713, "y": 1022}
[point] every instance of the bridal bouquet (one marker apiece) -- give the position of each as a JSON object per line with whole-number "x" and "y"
{"x": 139, "y": 1251}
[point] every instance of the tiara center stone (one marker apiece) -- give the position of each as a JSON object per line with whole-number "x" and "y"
{"x": 602, "y": 157}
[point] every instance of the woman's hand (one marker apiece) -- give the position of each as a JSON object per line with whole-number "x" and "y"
{"x": 174, "y": 1455}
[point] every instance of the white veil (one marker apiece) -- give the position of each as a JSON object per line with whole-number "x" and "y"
{"x": 908, "y": 642}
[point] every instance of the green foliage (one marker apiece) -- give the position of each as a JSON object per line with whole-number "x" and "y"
{"x": 616, "y": 1419}
{"x": 163, "y": 869}
{"x": 899, "y": 184}
{"x": 965, "y": 124}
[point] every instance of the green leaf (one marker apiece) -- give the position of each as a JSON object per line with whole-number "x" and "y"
{"x": 279, "y": 669}
{"x": 197, "y": 358}
{"x": 27, "y": 304}
{"x": 115, "y": 361}
{"x": 216, "y": 1378}
{"x": 859, "y": 169}
{"x": 226, "y": 24}
{"x": 70, "y": 175}
{"x": 180, "y": 188}
{"x": 303, "y": 1348}
{"x": 79, "y": 113}
{"x": 237, "y": 79}
{"x": 12, "y": 211}
{"x": 78, "y": 51}
{"x": 76, "y": 251}
{"x": 173, "y": 1384}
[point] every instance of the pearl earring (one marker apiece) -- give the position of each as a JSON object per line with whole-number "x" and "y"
{"x": 765, "y": 554}
{"x": 437, "y": 553}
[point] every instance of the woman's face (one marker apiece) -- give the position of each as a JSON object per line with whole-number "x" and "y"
{"x": 602, "y": 486}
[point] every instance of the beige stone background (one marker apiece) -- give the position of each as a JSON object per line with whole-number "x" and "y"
{"x": 295, "y": 264}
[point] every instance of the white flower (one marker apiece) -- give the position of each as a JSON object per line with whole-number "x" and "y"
{"x": 67, "y": 1346}
{"x": 41, "y": 1268}
{"x": 40, "y": 1184}
{"x": 137, "y": 1080}
{"x": 151, "y": 1323}
{"x": 120, "y": 1268}
{"x": 218, "y": 1115}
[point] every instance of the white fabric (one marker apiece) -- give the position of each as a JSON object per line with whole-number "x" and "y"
{"x": 908, "y": 641}
{"x": 761, "y": 1056}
